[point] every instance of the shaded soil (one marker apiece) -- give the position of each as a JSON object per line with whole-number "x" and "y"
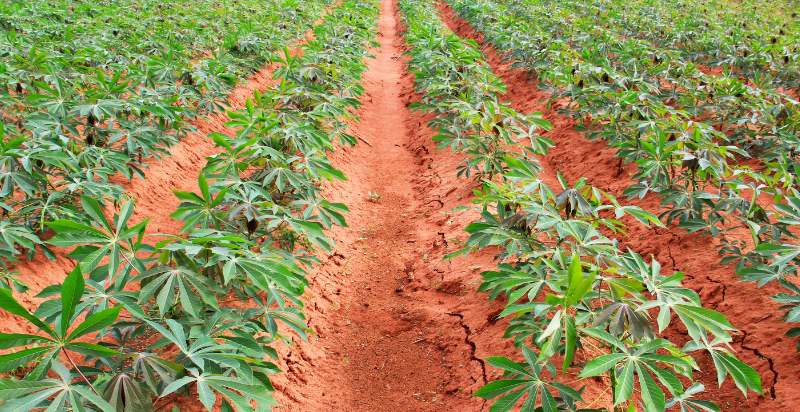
{"x": 761, "y": 342}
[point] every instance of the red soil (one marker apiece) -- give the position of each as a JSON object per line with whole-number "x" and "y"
{"x": 761, "y": 343}
{"x": 396, "y": 326}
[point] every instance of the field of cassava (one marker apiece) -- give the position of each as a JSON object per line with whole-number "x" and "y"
{"x": 399, "y": 205}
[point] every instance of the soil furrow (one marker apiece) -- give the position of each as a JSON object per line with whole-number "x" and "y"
{"x": 395, "y": 326}
{"x": 749, "y": 308}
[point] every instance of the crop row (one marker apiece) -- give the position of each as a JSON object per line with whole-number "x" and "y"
{"x": 199, "y": 314}
{"x": 576, "y": 303}
{"x": 88, "y": 91}
{"x": 673, "y": 127}
{"x": 749, "y": 38}
{"x": 595, "y": 60}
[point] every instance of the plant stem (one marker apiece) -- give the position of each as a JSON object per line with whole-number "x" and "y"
{"x": 74, "y": 365}
{"x": 613, "y": 386}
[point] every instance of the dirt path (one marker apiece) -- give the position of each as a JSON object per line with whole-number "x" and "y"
{"x": 396, "y": 327}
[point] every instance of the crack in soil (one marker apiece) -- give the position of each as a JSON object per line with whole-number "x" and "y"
{"x": 672, "y": 259}
{"x": 471, "y": 343}
{"x": 770, "y": 362}
{"x": 441, "y": 204}
{"x": 724, "y": 289}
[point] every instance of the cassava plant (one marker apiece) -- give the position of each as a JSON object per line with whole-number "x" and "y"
{"x": 577, "y": 304}
{"x": 199, "y": 312}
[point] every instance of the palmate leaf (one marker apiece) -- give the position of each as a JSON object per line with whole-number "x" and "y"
{"x": 126, "y": 394}
{"x": 625, "y": 318}
{"x": 10, "y": 280}
{"x": 700, "y": 320}
{"x": 155, "y": 371}
{"x": 524, "y": 380}
{"x": 200, "y": 210}
{"x": 115, "y": 240}
{"x": 745, "y": 377}
{"x": 48, "y": 347}
{"x": 686, "y": 403}
{"x": 779, "y": 255}
{"x": 791, "y": 302}
{"x": 169, "y": 286}
{"x": 289, "y": 316}
{"x": 13, "y": 236}
{"x": 267, "y": 271}
{"x": 639, "y": 364}
{"x": 329, "y": 213}
{"x": 313, "y": 231}
{"x": 97, "y": 297}
{"x": 238, "y": 394}
{"x": 200, "y": 349}
{"x": 55, "y": 393}
{"x": 527, "y": 281}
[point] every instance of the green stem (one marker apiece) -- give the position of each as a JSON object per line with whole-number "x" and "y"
{"x": 74, "y": 365}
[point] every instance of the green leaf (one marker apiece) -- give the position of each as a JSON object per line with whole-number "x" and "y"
{"x": 508, "y": 365}
{"x": 697, "y": 319}
{"x": 506, "y": 403}
{"x": 652, "y": 397}
{"x": 93, "y": 398}
{"x": 205, "y": 394}
{"x": 9, "y": 304}
{"x": 11, "y": 361}
{"x": 601, "y": 364}
{"x": 578, "y": 284}
{"x": 15, "y": 389}
{"x": 624, "y": 387}
{"x": 640, "y": 214}
{"x": 10, "y": 340}
{"x": 571, "y": 342}
{"x": 552, "y": 327}
{"x": 91, "y": 349}
{"x": 95, "y": 322}
{"x": 92, "y": 208}
{"x": 743, "y": 375}
{"x": 34, "y": 399}
{"x": 71, "y": 292}
{"x": 499, "y": 387}
{"x": 174, "y": 386}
